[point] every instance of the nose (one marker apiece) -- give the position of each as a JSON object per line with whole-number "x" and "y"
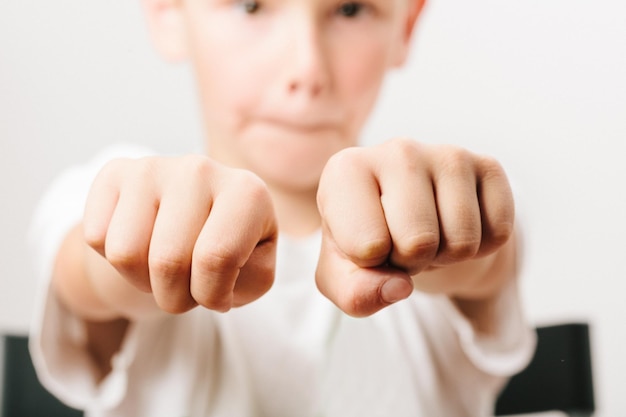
{"x": 307, "y": 72}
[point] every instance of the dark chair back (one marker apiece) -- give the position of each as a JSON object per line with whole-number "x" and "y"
{"x": 559, "y": 377}
{"x": 21, "y": 394}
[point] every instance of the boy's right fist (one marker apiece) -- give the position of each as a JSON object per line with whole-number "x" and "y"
{"x": 186, "y": 229}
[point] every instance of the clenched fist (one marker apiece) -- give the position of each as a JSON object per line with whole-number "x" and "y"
{"x": 392, "y": 211}
{"x": 187, "y": 229}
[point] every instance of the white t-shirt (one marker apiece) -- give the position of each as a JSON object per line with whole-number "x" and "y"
{"x": 290, "y": 353}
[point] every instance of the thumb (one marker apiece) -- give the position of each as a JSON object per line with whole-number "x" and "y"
{"x": 358, "y": 291}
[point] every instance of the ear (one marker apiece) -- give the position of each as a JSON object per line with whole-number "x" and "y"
{"x": 414, "y": 10}
{"x": 166, "y": 23}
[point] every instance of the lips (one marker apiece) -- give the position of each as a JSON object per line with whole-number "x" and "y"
{"x": 303, "y": 125}
{"x": 301, "y": 121}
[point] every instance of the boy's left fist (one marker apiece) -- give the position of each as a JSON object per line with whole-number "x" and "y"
{"x": 394, "y": 210}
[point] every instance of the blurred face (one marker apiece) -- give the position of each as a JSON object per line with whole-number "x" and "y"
{"x": 285, "y": 84}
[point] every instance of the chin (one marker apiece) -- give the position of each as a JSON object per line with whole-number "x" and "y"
{"x": 293, "y": 175}
{"x": 291, "y": 161}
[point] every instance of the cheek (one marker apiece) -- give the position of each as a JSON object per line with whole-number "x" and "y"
{"x": 224, "y": 84}
{"x": 223, "y": 71}
{"x": 359, "y": 77}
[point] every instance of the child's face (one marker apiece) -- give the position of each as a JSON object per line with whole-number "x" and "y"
{"x": 284, "y": 84}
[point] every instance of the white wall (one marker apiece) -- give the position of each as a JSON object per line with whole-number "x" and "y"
{"x": 539, "y": 83}
{"x": 74, "y": 76}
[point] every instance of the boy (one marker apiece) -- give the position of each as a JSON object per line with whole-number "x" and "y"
{"x": 159, "y": 301}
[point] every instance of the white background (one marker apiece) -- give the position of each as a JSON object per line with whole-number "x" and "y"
{"x": 540, "y": 84}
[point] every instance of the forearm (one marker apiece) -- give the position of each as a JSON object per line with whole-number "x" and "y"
{"x": 474, "y": 286}
{"x": 92, "y": 289}
{"x": 105, "y": 328}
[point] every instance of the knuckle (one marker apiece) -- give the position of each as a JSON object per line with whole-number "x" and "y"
{"x": 146, "y": 167}
{"x": 212, "y": 300}
{"x": 501, "y": 233}
{"x": 370, "y": 252}
{"x": 347, "y": 158}
{"x": 357, "y": 304}
{"x": 455, "y": 159}
{"x": 112, "y": 167}
{"x": 422, "y": 245}
{"x": 198, "y": 166}
{"x": 94, "y": 237}
{"x": 222, "y": 265}
{"x": 402, "y": 147}
{"x": 124, "y": 258}
{"x": 346, "y": 163}
{"x": 491, "y": 167}
{"x": 405, "y": 153}
{"x": 252, "y": 186}
{"x": 350, "y": 303}
{"x": 218, "y": 259}
{"x": 354, "y": 299}
{"x": 175, "y": 305}
{"x": 461, "y": 249}
{"x": 168, "y": 267}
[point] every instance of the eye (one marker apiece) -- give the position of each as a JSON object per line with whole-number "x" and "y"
{"x": 250, "y": 6}
{"x": 350, "y": 9}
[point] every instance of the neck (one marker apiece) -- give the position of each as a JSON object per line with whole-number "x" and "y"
{"x": 296, "y": 212}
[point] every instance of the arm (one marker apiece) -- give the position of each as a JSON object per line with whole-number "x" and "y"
{"x": 104, "y": 330}
{"x": 164, "y": 235}
{"x": 404, "y": 216}
{"x": 480, "y": 283}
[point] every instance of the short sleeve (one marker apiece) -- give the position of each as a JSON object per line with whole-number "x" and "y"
{"x": 57, "y": 338}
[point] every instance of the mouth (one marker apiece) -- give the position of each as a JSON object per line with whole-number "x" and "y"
{"x": 304, "y": 125}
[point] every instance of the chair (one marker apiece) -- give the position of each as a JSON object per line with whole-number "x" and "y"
{"x": 21, "y": 394}
{"x": 558, "y": 378}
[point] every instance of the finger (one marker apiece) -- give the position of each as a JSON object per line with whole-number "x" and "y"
{"x": 182, "y": 212}
{"x": 357, "y": 291}
{"x": 458, "y": 209}
{"x": 241, "y": 220}
{"x": 130, "y": 230}
{"x": 257, "y": 275}
{"x": 497, "y": 206}
{"x": 409, "y": 205}
{"x": 349, "y": 203}
{"x": 100, "y": 205}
